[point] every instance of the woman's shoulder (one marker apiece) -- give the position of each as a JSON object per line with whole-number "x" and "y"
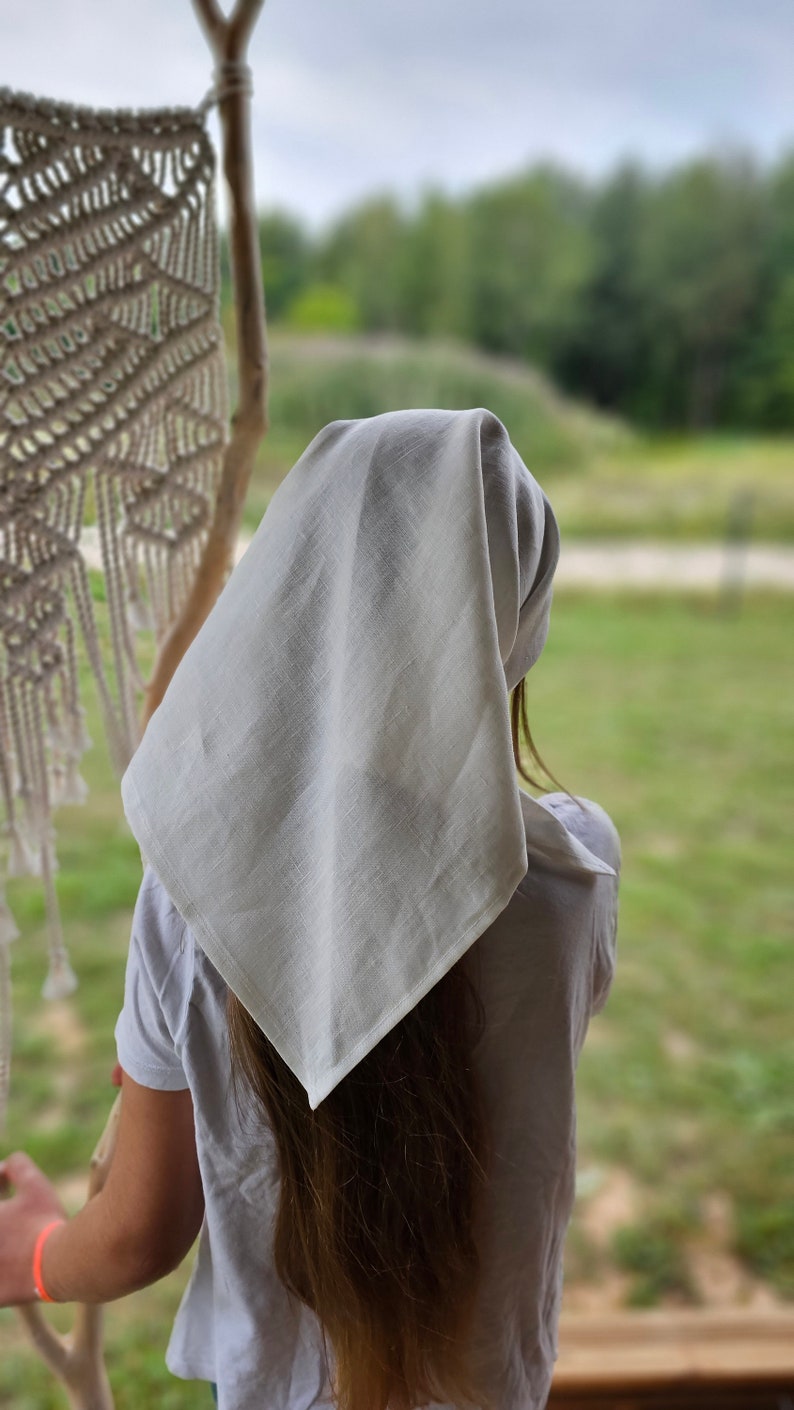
{"x": 168, "y": 933}
{"x": 154, "y": 900}
{"x": 588, "y": 822}
{"x": 569, "y": 834}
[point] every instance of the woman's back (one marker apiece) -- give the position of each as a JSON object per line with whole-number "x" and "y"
{"x": 541, "y": 968}
{"x": 545, "y": 966}
{"x": 340, "y": 861}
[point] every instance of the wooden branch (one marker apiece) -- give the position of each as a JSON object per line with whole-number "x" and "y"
{"x": 228, "y": 40}
{"x": 212, "y": 21}
{"x": 52, "y": 1348}
{"x": 78, "y": 1359}
{"x": 227, "y": 35}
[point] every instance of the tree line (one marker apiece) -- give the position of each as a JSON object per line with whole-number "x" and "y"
{"x": 667, "y": 298}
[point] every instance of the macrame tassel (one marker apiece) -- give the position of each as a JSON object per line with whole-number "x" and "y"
{"x": 25, "y": 855}
{"x": 115, "y": 360}
{"x": 57, "y": 738}
{"x": 75, "y": 788}
{"x": 9, "y": 929}
{"x": 57, "y": 782}
{"x": 5, "y": 1028}
{"x": 67, "y": 785}
{"x": 61, "y": 979}
{"x": 78, "y": 739}
{"x": 139, "y": 615}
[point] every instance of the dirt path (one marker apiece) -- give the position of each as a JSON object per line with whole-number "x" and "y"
{"x": 718, "y": 1278}
{"x": 702, "y": 567}
{"x": 636, "y": 565}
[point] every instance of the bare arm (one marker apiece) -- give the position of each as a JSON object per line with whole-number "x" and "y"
{"x": 137, "y": 1229}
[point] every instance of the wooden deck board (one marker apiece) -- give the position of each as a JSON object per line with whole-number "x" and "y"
{"x": 696, "y": 1358}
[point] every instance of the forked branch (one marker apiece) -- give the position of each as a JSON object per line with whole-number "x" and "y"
{"x": 78, "y": 1358}
{"x": 228, "y": 39}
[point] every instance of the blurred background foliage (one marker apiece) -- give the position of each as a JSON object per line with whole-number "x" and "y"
{"x": 665, "y": 298}
{"x": 636, "y": 335}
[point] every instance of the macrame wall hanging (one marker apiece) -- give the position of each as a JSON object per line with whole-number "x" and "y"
{"x": 112, "y": 407}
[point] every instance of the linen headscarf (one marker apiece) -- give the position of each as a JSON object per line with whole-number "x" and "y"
{"x": 328, "y": 791}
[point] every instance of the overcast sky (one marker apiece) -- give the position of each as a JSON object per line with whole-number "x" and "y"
{"x": 354, "y": 96}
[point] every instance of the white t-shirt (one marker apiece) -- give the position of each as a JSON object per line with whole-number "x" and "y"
{"x": 543, "y": 968}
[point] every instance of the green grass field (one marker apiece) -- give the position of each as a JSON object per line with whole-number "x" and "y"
{"x": 675, "y": 718}
{"x": 672, "y": 714}
{"x": 678, "y": 718}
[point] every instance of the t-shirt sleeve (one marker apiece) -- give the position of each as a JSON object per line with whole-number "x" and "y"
{"x": 594, "y": 827}
{"x": 156, "y": 991}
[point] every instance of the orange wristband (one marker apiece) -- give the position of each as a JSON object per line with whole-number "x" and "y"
{"x": 41, "y": 1291}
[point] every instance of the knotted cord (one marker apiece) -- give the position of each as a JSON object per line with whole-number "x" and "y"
{"x": 230, "y": 77}
{"x": 112, "y": 380}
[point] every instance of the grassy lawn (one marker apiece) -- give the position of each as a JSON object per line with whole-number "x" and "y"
{"x": 681, "y": 489}
{"x": 677, "y": 720}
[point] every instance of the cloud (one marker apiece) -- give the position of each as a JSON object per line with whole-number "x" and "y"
{"x": 355, "y": 95}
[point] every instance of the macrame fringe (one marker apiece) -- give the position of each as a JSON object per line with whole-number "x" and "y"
{"x": 5, "y": 1010}
{"x": 112, "y": 380}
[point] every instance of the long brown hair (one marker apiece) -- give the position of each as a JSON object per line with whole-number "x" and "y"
{"x": 380, "y": 1191}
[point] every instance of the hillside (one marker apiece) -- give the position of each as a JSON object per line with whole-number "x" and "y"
{"x": 315, "y": 380}
{"x": 604, "y": 479}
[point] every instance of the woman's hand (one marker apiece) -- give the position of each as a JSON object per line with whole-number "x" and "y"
{"x": 23, "y": 1215}
{"x": 139, "y": 1226}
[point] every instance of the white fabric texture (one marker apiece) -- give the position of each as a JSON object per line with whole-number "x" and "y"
{"x": 328, "y": 790}
{"x": 542, "y": 968}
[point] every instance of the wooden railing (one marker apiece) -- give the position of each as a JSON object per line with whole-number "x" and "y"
{"x": 688, "y": 1360}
